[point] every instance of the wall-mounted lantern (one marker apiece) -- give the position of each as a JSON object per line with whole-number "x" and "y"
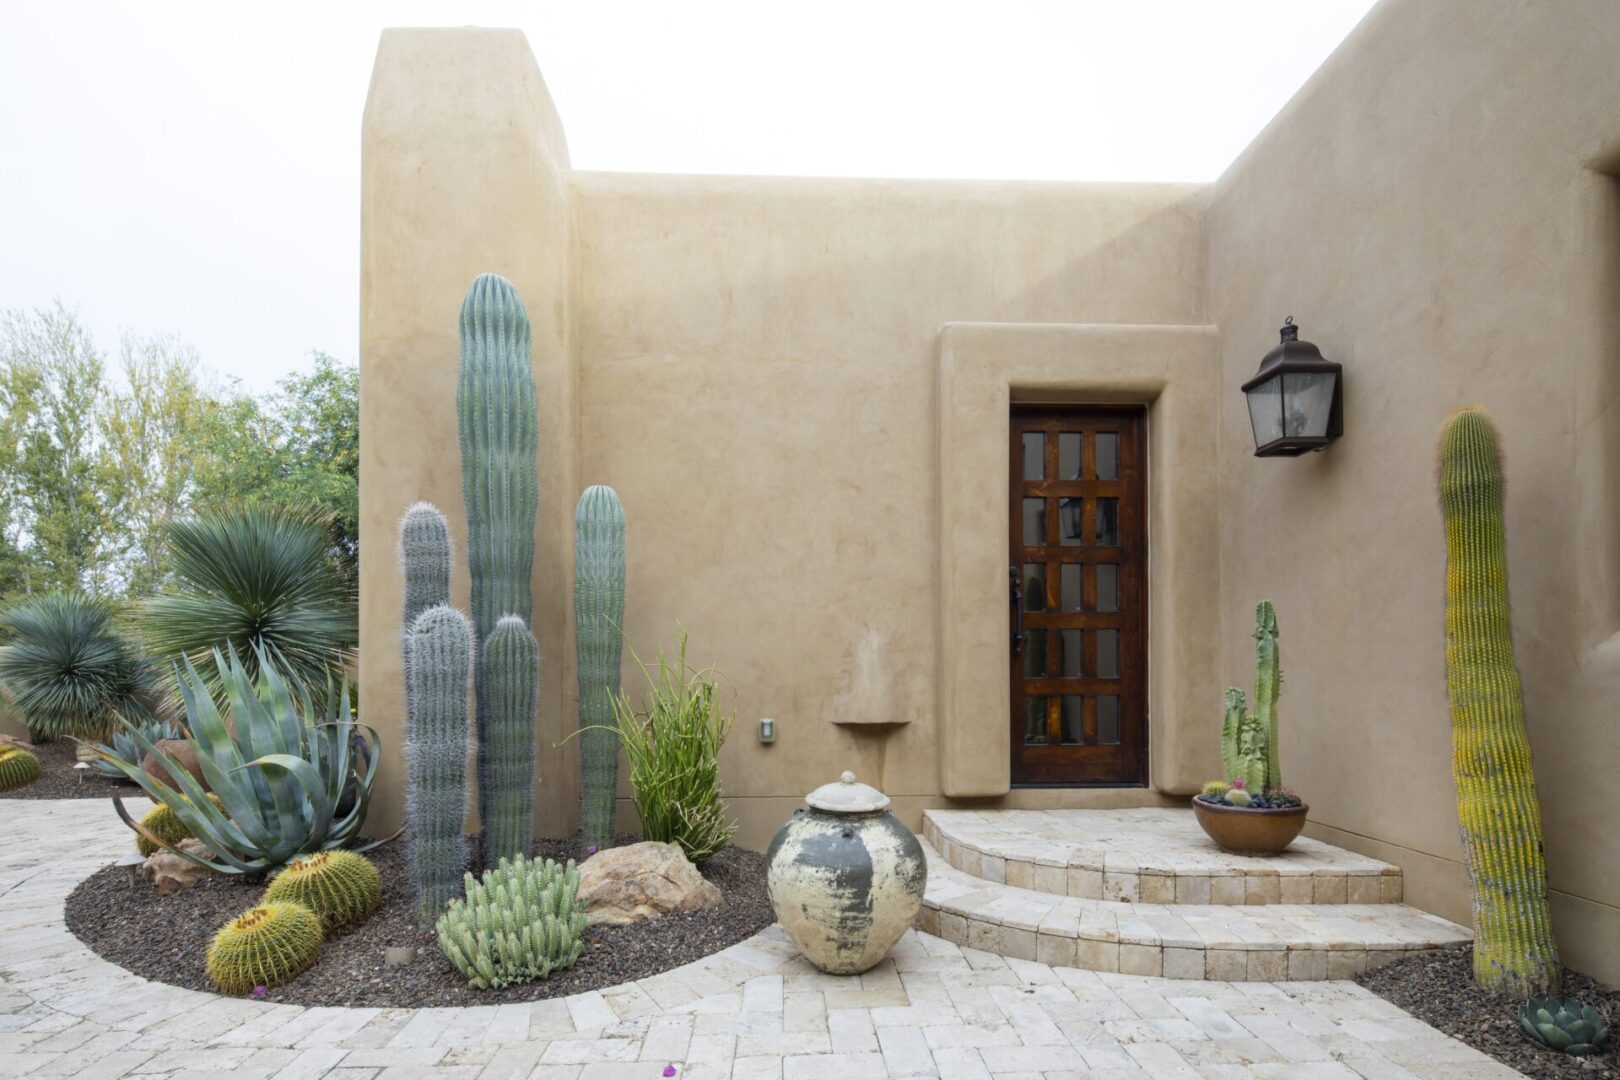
{"x": 1295, "y": 399}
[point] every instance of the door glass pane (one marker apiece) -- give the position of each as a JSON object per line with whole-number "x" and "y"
{"x": 1107, "y": 654}
{"x": 1069, "y": 455}
{"x": 1069, "y": 664}
{"x": 1034, "y": 587}
{"x": 1108, "y": 522}
{"x": 1072, "y": 720}
{"x": 1035, "y": 721}
{"x": 1034, "y": 522}
{"x": 1070, "y": 582}
{"x": 1069, "y": 511}
{"x": 1107, "y": 587}
{"x": 1107, "y": 455}
{"x": 1034, "y": 455}
{"x": 1034, "y": 654}
{"x": 1108, "y": 720}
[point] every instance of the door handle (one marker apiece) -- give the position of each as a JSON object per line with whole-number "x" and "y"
{"x": 1017, "y": 610}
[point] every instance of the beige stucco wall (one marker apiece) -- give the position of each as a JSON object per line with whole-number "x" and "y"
{"x": 759, "y": 370}
{"x": 795, "y": 386}
{"x": 1427, "y": 209}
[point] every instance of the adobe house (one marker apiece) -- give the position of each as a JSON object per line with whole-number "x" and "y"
{"x": 814, "y": 398}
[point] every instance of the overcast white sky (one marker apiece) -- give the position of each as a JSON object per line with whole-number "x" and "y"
{"x": 194, "y": 167}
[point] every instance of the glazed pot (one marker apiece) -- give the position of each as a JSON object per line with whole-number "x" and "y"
{"x": 845, "y": 877}
{"x": 1250, "y": 832}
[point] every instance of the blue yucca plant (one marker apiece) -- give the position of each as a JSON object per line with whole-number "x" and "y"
{"x": 294, "y": 777}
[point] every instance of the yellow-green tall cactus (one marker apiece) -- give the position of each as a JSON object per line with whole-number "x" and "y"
{"x": 1497, "y": 806}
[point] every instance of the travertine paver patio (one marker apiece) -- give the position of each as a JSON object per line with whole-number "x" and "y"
{"x": 756, "y": 1011}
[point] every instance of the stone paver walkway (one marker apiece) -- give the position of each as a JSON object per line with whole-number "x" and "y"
{"x": 756, "y": 1011}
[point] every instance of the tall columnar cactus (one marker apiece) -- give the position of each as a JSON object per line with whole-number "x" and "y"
{"x": 424, "y": 555}
{"x": 509, "y": 667}
{"x": 598, "y": 616}
{"x": 1249, "y": 740}
{"x": 495, "y": 404}
{"x": 1497, "y": 806}
{"x": 440, "y": 650}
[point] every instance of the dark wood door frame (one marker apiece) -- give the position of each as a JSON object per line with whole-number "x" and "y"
{"x": 1077, "y": 536}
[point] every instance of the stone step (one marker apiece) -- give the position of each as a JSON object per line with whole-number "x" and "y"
{"x": 1226, "y": 942}
{"x": 1154, "y": 855}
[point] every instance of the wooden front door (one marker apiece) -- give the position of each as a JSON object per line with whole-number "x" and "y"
{"x": 1078, "y": 582}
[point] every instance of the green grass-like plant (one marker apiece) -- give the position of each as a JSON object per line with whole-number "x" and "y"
{"x": 70, "y": 670}
{"x": 264, "y": 946}
{"x": 341, "y": 887}
{"x": 673, "y": 746}
{"x": 289, "y": 778}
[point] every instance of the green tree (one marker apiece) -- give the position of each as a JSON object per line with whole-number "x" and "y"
{"x": 53, "y": 385}
{"x": 151, "y": 426}
{"x": 298, "y": 447}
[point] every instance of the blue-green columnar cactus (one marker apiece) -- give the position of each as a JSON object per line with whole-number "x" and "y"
{"x": 424, "y": 556}
{"x": 439, "y": 651}
{"x": 598, "y": 615}
{"x": 495, "y": 404}
{"x": 510, "y": 670}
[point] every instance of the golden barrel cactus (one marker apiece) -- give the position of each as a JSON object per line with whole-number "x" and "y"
{"x": 264, "y": 946}
{"x": 17, "y": 767}
{"x": 1497, "y": 806}
{"x": 341, "y": 887}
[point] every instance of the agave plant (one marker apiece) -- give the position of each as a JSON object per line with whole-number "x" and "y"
{"x": 260, "y": 581}
{"x": 70, "y": 671}
{"x": 1564, "y": 1024}
{"x": 124, "y": 748}
{"x": 285, "y": 770}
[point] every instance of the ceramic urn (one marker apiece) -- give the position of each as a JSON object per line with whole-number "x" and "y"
{"x": 845, "y": 877}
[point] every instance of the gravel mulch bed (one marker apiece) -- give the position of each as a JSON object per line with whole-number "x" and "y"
{"x": 1438, "y": 988}
{"x": 164, "y": 938}
{"x": 59, "y": 780}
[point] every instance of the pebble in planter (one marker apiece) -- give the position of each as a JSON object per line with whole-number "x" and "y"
{"x": 845, "y": 877}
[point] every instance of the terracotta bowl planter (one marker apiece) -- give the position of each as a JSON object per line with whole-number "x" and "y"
{"x": 1250, "y": 832}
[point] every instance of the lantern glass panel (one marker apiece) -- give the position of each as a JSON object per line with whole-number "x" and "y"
{"x": 1265, "y": 411}
{"x": 1308, "y": 396}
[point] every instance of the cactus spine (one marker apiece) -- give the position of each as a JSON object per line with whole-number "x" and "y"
{"x": 598, "y": 616}
{"x": 509, "y": 667}
{"x": 439, "y": 647}
{"x": 1497, "y": 807}
{"x": 1249, "y": 740}
{"x": 496, "y": 410}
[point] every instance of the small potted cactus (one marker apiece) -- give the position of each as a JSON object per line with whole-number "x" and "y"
{"x": 1250, "y": 812}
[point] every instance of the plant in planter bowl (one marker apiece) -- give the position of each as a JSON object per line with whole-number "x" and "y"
{"x": 1251, "y": 813}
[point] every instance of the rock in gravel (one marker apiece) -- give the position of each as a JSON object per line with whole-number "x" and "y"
{"x": 172, "y": 873}
{"x": 183, "y": 752}
{"x": 632, "y": 884}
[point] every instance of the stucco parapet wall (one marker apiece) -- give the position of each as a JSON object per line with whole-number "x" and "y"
{"x": 984, "y": 368}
